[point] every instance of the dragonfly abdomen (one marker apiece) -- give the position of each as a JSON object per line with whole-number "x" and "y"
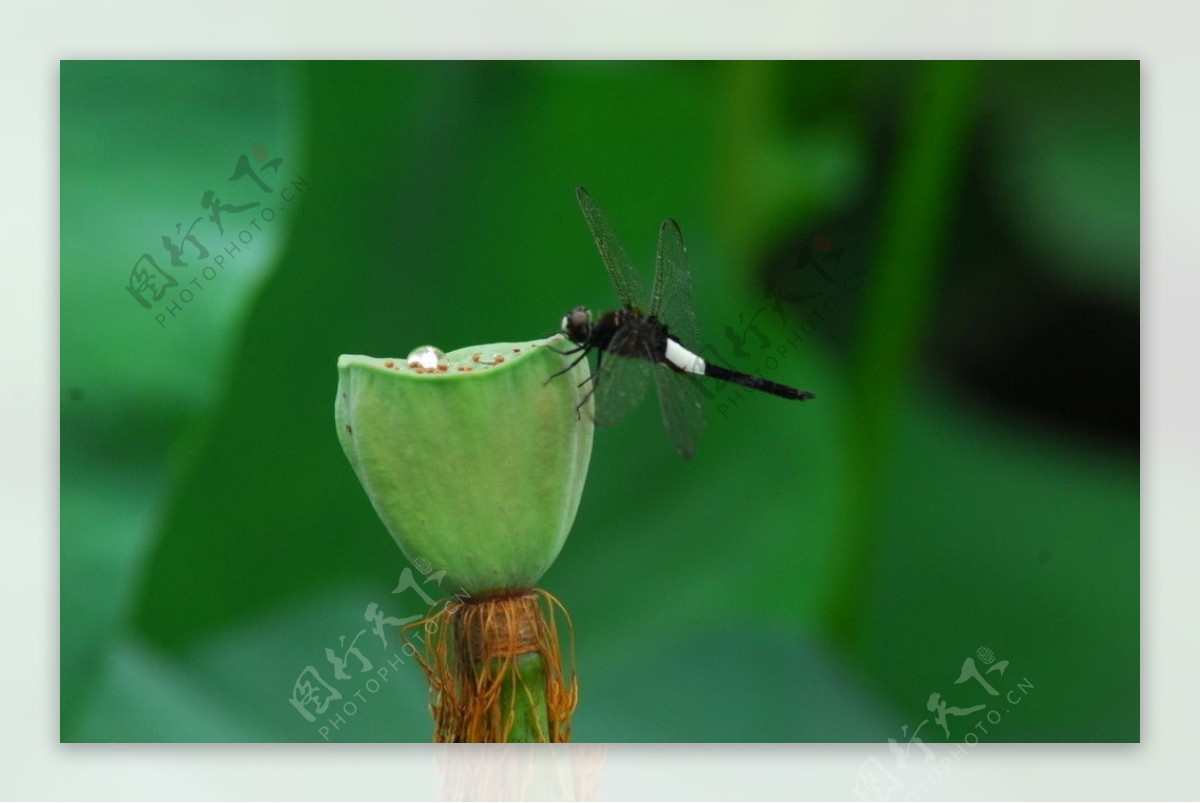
{"x": 756, "y": 383}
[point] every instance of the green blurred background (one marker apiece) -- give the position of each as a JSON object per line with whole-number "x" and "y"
{"x": 947, "y": 254}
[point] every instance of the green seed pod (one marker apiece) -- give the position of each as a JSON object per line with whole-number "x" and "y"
{"x": 474, "y": 462}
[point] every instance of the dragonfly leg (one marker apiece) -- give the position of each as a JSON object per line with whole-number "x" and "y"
{"x": 592, "y": 377}
{"x": 592, "y": 390}
{"x": 578, "y": 360}
{"x": 583, "y": 401}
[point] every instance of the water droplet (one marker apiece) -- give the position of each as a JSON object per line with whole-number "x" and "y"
{"x": 427, "y": 357}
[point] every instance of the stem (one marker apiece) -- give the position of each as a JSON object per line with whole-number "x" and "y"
{"x": 526, "y": 701}
{"x": 495, "y": 670}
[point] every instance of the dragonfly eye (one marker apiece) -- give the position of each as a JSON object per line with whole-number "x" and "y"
{"x": 578, "y": 324}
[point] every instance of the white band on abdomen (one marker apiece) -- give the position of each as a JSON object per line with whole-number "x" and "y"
{"x": 683, "y": 359}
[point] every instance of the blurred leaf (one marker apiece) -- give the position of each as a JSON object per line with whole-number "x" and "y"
{"x": 145, "y": 697}
{"x": 130, "y": 386}
{"x": 1070, "y": 173}
{"x": 751, "y": 684}
{"x": 1042, "y": 569}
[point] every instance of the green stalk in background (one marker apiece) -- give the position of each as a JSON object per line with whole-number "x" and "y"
{"x": 475, "y": 463}
{"x": 895, "y": 309}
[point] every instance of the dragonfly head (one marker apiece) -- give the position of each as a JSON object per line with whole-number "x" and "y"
{"x": 577, "y": 325}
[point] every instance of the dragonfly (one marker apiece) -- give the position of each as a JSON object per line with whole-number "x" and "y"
{"x": 634, "y": 342}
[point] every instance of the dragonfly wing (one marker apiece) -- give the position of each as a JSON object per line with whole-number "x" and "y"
{"x": 671, "y": 300}
{"x": 681, "y": 402}
{"x": 621, "y": 381}
{"x": 621, "y": 270}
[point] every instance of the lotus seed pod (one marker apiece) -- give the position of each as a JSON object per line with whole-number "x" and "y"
{"x": 474, "y": 462}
